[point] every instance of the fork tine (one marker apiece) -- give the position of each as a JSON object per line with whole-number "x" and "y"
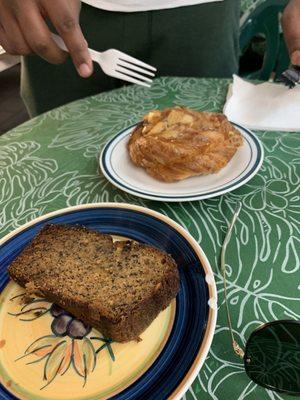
{"x": 127, "y": 78}
{"x": 132, "y": 74}
{"x": 128, "y": 65}
{"x": 126, "y": 57}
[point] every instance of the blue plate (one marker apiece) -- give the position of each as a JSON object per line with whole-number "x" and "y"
{"x": 188, "y": 343}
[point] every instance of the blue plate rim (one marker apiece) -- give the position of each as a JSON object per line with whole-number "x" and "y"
{"x": 209, "y": 277}
{"x": 174, "y": 198}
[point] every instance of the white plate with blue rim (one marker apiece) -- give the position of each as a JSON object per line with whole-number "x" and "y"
{"x": 118, "y": 168}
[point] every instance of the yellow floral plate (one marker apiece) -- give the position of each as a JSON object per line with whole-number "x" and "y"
{"x": 46, "y": 353}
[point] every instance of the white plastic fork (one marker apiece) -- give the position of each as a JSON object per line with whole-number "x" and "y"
{"x": 118, "y": 65}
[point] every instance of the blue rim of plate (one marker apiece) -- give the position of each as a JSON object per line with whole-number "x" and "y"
{"x": 196, "y": 303}
{"x": 244, "y": 176}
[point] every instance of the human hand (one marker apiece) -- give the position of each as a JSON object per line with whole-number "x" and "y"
{"x": 23, "y": 30}
{"x": 291, "y": 30}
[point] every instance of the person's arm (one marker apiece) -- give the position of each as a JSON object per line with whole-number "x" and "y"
{"x": 291, "y": 30}
{"x": 23, "y": 31}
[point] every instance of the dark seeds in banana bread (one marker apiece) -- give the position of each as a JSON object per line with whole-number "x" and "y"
{"x": 119, "y": 288}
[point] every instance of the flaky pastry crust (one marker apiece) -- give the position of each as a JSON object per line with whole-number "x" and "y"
{"x": 178, "y": 143}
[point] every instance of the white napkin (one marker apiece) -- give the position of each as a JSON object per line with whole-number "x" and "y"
{"x": 266, "y": 106}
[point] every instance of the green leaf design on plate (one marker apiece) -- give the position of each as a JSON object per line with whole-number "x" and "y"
{"x": 17, "y": 296}
{"x": 90, "y": 355}
{"x": 54, "y": 362}
{"x": 48, "y": 340}
{"x": 35, "y": 301}
{"x": 84, "y": 357}
{"x": 111, "y": 353}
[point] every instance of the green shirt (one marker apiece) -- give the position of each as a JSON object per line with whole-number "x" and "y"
{"x": 199, "y": 40}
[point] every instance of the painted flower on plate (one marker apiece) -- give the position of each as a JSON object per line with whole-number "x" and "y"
{"x": 69, "y": 345}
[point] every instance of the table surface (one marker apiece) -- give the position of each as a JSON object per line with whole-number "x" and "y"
{"x": 50, "y": 162}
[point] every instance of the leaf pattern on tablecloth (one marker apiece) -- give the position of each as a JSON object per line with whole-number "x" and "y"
{"x": 134, "y": 93}
{"x": 69, "y": 111}
{"x": 19, "y": 167}
{"x": 208, "y": 96}
{"x": 83, "y": 189}
{"x": 51, "y": 162}
{"x": 28, "y": 183}
{"x": 100, "y": 122}
{"x": 22, "y": 130}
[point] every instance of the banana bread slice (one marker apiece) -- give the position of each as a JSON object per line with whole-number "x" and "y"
{"x": 118, "y": 288}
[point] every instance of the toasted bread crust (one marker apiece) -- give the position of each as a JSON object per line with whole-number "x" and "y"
{"x": 67, "y": 285}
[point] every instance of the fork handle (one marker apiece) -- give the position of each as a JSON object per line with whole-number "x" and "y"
{"x": 61, "y": 44}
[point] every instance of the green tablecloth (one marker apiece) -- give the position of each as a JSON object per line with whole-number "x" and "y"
{"x": 50, "y": 162}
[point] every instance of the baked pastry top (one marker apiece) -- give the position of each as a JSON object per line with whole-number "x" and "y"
{"x": 177, "y": 143}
